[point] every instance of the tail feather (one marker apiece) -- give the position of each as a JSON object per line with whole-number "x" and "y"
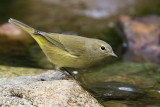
{"x": 22, "y": 25}
{"x": 33, "y": 32}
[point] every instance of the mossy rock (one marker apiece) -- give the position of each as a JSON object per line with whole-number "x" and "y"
{"x": 142, "y": 74}
{"x": 8, "y": 71}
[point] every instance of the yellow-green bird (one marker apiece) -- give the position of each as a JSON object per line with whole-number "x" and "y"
{"x": 68, "y": 50}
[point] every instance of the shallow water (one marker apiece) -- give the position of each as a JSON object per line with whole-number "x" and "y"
{"x": 125, "y": 83}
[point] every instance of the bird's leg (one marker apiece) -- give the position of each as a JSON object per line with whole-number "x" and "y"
{"x": 63, "y": 71}
{"x": 70, "y": 74}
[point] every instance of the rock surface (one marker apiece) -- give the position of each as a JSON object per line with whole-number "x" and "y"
{"x": 143, "y": 38}
{"x": 114, "y": 103}
{"x": 50, "y": 89}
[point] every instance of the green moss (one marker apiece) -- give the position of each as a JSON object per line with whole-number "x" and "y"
{"x": 8, "y": 71}
{"x": 147, "y": 7}
{"x": 127, "y": 69}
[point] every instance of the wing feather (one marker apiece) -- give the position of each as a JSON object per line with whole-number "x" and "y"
{"x": 74, "y": 45}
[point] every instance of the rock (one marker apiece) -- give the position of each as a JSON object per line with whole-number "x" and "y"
{"x": 115, "y": 103}
{"x": 153, "y": 93}
{"x": 142, "y": 37}
{"x": 116, "y": 90}
{"x": 13, "y": 38}
{"x": 50, "y": 89}
{"x": 130, "y": 72}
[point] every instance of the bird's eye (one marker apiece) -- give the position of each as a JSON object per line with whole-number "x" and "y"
{"x": 103, "y": 48}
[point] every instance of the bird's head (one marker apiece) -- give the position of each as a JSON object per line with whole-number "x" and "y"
{"x": 101, "y": 49}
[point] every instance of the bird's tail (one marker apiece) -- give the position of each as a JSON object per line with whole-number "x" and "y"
{"x": 22, "y": 25}
{"x": 33, "y": 32}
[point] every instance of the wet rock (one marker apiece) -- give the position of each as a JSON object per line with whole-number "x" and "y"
{"x": 13, "y": 38}
{"x": 143, "y": 38}
{"x": 142, "y": 75}
{"x": 154, "y": 93}
{"x": 130, "y": 72}
{"x": 116, "y": 90}
{"x": 47, "y": 89}
{"x": 115, "y": 103}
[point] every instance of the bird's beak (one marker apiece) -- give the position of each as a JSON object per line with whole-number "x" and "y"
{"x": 113, "y": 54}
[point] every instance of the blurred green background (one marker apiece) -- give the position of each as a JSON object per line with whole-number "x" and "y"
{"x": 131, "y": 27}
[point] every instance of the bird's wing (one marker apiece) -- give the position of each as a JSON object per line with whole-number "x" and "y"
{"x": 54, "y": 39}
{"x": 74, "y": 45}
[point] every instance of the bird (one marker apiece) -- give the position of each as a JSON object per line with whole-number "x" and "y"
{"x": 68, "y": 50}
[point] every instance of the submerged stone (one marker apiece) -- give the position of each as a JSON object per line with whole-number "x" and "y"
{"x": 117, "y": 103}
{"x": 116, "y": 90}
{"x": 142, "y": 37}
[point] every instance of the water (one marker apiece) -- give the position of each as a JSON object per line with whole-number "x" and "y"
{"x": 124, "y": 83}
